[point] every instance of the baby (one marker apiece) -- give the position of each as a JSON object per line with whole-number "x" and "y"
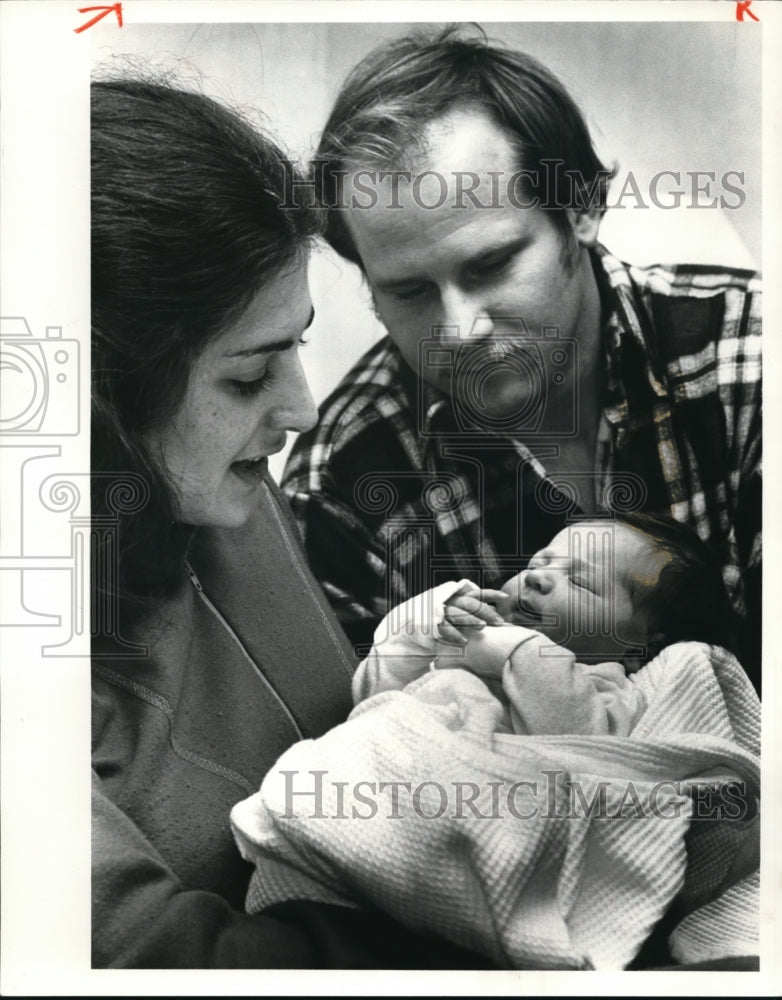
{"x": 480, "y": 697}
{"x": 565, "y": 635}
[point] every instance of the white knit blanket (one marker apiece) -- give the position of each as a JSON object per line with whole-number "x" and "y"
{"x": 538, "y": 851}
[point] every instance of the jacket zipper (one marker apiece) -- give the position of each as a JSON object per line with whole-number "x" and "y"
{"x": 202, "y": 594}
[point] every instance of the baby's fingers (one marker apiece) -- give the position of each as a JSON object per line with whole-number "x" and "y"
{"x": 489, "y": 596}
{"x": 448, "y": 632}
{"x": 463, "y": 618}
{"x": 474, "y": 605}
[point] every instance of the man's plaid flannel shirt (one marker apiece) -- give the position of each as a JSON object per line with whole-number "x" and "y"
{"x": 393, "y": 496}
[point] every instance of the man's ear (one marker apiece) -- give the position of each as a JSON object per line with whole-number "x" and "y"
{"x": 585, "y": 225}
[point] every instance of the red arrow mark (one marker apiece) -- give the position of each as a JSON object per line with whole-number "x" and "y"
{"x": 116, "y": 7}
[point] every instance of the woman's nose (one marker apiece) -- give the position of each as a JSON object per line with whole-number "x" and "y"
{"x": 295, "y": 409}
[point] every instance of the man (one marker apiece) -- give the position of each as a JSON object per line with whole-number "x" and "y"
{"x": 528, "y": 377}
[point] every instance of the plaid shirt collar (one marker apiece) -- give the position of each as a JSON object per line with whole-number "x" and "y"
{"x": 625, "y": 335}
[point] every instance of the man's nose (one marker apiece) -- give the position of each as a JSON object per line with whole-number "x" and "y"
{"x": 464, "y": 313}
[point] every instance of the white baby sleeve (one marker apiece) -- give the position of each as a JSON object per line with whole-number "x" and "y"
{"x": 551, "y": 693}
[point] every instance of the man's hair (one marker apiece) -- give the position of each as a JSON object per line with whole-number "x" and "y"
{"x": 385, "y": 105}
{"x": 187, "y": 228}
{"x": 688, "y": 601}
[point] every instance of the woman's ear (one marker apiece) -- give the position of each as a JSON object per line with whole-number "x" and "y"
{"x": 585, "y": 225}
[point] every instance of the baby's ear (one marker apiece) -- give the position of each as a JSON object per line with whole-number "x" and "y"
{"x": 655, "y": 643}
{"x": 633, "y": 663}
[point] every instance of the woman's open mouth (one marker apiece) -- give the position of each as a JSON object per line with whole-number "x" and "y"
{"x": 250, "y": 470}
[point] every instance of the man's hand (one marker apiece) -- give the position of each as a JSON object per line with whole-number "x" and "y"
{"x": 468, "y": 611}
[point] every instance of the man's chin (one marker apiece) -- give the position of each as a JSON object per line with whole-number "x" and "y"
{"x": 492, "y": 409}
{"x": 498, "y": 402}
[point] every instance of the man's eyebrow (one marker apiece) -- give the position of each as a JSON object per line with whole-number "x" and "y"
{"x": 276, "y": 345}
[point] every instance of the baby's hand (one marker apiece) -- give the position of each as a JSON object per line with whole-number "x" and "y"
{"x": 468, "y": 611}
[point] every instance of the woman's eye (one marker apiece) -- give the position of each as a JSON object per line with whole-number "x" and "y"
{"x": 251, "y": 388}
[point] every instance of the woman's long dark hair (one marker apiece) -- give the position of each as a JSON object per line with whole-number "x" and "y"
{"x": 187, "y": 227}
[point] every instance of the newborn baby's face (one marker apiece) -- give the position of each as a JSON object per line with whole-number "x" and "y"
{"x": 578, "y": 590}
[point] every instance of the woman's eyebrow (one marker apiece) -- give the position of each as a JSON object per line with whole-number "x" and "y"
{"x": 276, "y": 345}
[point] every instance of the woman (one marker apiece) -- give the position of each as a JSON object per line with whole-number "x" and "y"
{"x": 213, "y": 648}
